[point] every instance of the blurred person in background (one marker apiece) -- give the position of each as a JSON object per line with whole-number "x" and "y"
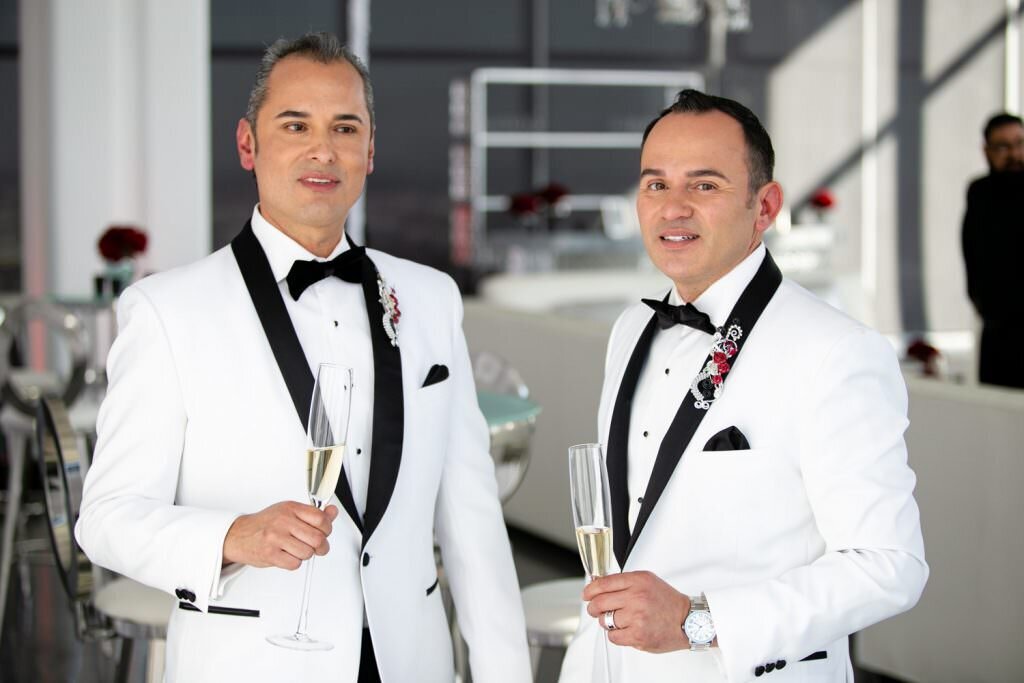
{"x": 993, "y": 240}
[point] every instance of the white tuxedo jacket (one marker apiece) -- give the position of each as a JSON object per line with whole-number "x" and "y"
{"x": 198, "y": 427}
{"x": 810, "y": 535}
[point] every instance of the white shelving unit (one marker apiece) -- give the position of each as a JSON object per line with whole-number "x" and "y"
{"x": 472, "y": 140}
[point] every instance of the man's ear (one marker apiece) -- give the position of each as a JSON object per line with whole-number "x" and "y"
{"x": 245, "y": 140}
{"x": 369, "y": 154}
{"x": 769, "y": 203}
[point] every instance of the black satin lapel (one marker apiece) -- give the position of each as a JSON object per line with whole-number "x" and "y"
{"x": 388, "y": 408}
{"x": 280, "y": 333}
{"x": 266, "y": 298}
{"x": 747, "y": 310}
{"x": 617, "y": 457}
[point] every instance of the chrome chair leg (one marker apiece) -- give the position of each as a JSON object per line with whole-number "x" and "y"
{"x": 124, "y": 661}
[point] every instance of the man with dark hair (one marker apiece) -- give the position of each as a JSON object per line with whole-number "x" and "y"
{"x": 992, "y": 239}
{"x": 198, "y": 484}
{"x": 762, "y": 506}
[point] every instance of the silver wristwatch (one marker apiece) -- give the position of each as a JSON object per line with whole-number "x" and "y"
{"x": 698, "y": 626}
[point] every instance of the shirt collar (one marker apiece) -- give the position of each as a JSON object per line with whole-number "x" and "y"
{"x": 281, "y": 250}
{"x": 718, "y": 300}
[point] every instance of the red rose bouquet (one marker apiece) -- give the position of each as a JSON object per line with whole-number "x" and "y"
{"x": 121, "y": 242}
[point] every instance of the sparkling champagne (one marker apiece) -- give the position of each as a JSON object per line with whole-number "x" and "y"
{"x": 595, "y": 543}
{"x": 323, "y": 467}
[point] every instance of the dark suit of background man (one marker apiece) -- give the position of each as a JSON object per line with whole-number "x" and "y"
{"x": 993, "y": 240}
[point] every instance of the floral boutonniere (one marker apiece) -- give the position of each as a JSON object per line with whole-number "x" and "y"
{"x": 707, "y": 385}
{"x": 392, "y": 314}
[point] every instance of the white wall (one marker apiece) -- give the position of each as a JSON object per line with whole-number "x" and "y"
{"x": 823, "y": 94}
{"x": 115, "y": 128}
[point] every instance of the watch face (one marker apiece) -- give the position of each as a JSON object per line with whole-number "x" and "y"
{"x": 699, "y": 628}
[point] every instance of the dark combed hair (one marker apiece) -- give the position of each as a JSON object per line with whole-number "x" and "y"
{"x": 1000, "y": 120}
{"x": 760, "y": 154}
{"x": 321, "y": 47}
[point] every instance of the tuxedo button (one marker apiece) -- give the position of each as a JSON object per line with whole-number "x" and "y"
{"x": 666, "y": 371}
{"x": 640, "y": 500}
{"x": 759, "y": 671}
{"x": 366, "y": 559}
{"x": 769, "y": 667}
{"x": 359, "y": 451}
{"x": 781, "y": 664}
{"x": 335, "y": 323}
{"x": 645, "y": 433}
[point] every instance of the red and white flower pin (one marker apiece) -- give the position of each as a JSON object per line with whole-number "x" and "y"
{"x": 392, "y": 314}
{"x": 708, "y": 384}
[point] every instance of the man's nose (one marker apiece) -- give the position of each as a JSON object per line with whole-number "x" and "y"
{"x": 322, "y": 151}
{"x": 676, "y": 205}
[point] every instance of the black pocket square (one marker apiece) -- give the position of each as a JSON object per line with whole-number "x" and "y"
{"x": 729, "y": 439}
{"x": 437, "y": 373}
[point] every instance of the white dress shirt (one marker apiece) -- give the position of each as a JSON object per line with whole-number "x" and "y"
{"x": 676, "y": 356}
{"x": 331, "y": 323}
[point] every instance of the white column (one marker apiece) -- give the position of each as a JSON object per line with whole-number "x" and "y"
{"x": 1011, "y": 71}
{"x": 33, "y": 73}
{"x": 359, "y": 42}
{"x": 115, "y": 117}
{"x": 176, "y": 97}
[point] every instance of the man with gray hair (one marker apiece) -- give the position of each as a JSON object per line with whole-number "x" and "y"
{"x": 198, "y": 485}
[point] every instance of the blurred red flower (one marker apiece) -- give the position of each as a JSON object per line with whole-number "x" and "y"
{"x": 121, "y": 242}
{"x": 524, "y": 204}
{"x": 552, "y": 193}
{"x": 823, "y": 199}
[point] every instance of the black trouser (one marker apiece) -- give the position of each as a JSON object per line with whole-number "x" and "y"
{"x": 367, "y": 661}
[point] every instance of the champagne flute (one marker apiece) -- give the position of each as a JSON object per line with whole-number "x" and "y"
{"x": 326, "y": 433}
{"x": 592, "y": 515}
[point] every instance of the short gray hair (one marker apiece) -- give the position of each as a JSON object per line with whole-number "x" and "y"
{"x": 321, "y": 47}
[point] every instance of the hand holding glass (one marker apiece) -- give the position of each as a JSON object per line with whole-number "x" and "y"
{"x": 326, "y": 434}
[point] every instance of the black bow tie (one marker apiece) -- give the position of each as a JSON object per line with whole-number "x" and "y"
{"x": 687, "y": 314}
{"x": 347, "y": 265}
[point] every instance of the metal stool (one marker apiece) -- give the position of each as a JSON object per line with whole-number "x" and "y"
{"x": 552, "y": 614}
{"x": 137, "y": 612}
{"x": 20, "y": 389}
{"x": 120, "y": 607}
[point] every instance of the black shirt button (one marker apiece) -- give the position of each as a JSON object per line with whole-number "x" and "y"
{"x": 359, "y": 451}
{"x": 769, "y": 667}
{"x": 646, "y": 433}
{"x": 781, "y": 664}
{"x": 640, "y": 500}
{"x": 335, "y": 323}
{"x": 366, "y": 559}
{"x": 759, "y": 671}
{"x": 666, "y": 371}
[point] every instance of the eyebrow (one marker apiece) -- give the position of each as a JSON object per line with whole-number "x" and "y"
{"x": 699, "y": 173}
{"x": 293, "y": 114}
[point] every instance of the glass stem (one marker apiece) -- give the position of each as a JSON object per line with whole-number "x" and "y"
{"x": 300, "y": 630}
